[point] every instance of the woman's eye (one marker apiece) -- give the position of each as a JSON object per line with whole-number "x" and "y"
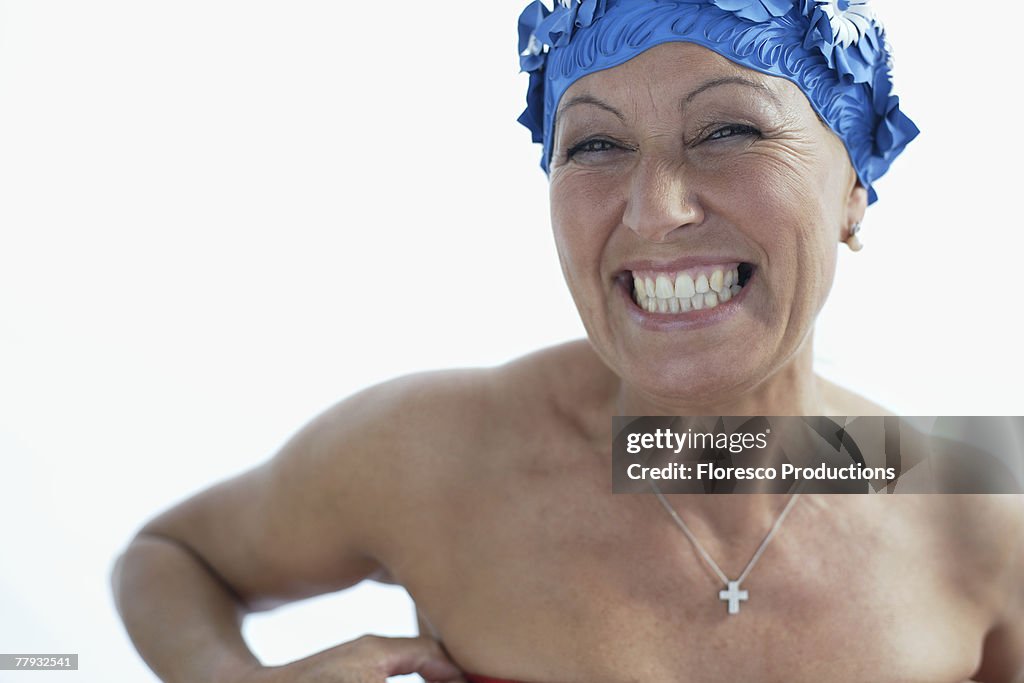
{"x": 732, "y": 131}
{"x": 591, "y": 146}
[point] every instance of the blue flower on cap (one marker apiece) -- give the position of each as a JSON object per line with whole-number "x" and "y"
{"x": 850, "y": 36}
{"x": 567, "y": 17}
{"x": 539, "y": 29}
{"x": 895, "y": 130}
{"x": 531, "y": 49}
{"x": 755, "y": 10}
{"x": 532, "y": 57}
{"x": 850, "y": 20}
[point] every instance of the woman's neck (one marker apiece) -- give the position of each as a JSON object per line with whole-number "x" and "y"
{"x": 793, "y": 390}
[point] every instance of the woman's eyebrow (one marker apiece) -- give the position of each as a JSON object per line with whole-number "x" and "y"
{"x": 590, "y": 99}
{"x": 730, "y": 80}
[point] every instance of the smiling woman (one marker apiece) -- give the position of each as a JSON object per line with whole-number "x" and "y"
{"x": 706, "y": 160}
{"x": 714, "y": 176}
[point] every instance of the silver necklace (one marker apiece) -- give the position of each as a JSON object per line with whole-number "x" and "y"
{"x": 732, "y": 593}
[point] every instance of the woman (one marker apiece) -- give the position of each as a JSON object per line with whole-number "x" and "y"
{"x": 705, "y": 159}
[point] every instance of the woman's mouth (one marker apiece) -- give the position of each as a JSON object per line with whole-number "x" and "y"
{"x": 695, "y": 289}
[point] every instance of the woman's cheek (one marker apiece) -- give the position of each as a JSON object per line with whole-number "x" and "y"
{"x": 775, "y": 176}
{"x": 581, "y": 187}
{"x": 586, "y": 206}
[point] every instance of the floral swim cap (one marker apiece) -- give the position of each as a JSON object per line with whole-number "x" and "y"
{"x": 835, "y": 51}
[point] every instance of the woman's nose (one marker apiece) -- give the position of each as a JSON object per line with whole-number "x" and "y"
{"x": 660, "y": 201}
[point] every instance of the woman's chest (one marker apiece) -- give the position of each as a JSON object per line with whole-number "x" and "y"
{"x": 610, "y": 602}
{"x": 646, "y": 625}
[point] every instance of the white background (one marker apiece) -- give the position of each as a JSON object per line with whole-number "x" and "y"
{"x": 219, "y": 217}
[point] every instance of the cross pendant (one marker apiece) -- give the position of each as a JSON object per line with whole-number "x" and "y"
{"x": 733, "y": 595}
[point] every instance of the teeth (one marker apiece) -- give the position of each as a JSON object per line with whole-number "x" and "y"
{"x": 640, "y": 287}
{"x": 659, "y": 294}
{"x": 665, "y": 289}
{"x": 717, "y": 278}
{"x": 684, "y": 287}
{"x": 702, "y": 284}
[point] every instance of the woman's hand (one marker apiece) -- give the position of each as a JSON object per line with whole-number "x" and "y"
{"x": 370, "y": 659}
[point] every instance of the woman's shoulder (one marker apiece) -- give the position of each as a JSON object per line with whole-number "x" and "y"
{"x": 841, "y": 401}
{"x": 422, "y": 406}
{"x": 462, "y": 407}
{"x": 529, "y": 380}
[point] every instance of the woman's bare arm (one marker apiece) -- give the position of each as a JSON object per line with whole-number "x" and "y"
{"x": 184, "y": 622}
{"x": 290, "y": 529}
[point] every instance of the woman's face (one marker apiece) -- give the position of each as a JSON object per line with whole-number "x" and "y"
{"x": 681, "y": 172}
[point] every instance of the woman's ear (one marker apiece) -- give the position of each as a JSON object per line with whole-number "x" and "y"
{"x": 856, "y": 207}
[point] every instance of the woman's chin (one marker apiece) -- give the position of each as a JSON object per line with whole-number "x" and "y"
{"x": 691, "y": 386}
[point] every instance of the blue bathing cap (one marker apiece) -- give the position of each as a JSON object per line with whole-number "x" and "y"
{"x": 835, "y": 51}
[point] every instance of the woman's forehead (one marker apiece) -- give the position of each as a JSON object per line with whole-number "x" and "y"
{"x": 673, "y": 70}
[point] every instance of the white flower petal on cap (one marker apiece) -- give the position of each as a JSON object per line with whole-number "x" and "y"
{"x": 848, "y": 25}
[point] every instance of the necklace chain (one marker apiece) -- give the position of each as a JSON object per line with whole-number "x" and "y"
{"x": 704, "y": 554}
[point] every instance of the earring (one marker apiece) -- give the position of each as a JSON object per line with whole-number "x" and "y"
{"x": 853, "y": 241}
